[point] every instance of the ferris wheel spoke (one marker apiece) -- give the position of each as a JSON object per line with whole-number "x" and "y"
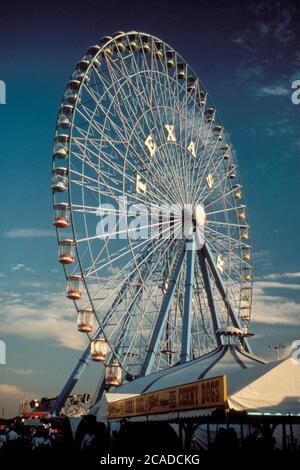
{"x": 107, "y": 161}
{"x": 154, "y": 79}
{"x": 226, "y": 237}
{"x": 203, "y": 172}
{"x": 224, "y": 224}
{"x": 223, "y": 245}
{"x": 115, "y": 234}
{"x": 102, "y": 250}
{"x": 114, "y": 189}
{"x": 152, "y": 94}
{"x": 223, "y": 180}
{"x": 118, "y": 256}
{"x": 148, "y": 105}
{"x": 220, "y": 197}
{"x": 134, "y": 271}
{"x": 227, "y": 209}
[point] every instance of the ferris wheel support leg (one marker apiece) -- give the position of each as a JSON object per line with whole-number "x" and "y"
{"x": 210, "y": 298}
{"x": 187, "y": 306}
{"x": 221, "y": 288}
{"x": 161, "y": 319}
{"x": 82, "y": 363}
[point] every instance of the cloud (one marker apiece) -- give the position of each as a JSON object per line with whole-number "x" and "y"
{"x": 250, "y": 72}
{"x": 276, "y": 285}
{"x": 274, "y": 310}
{"x": 28, "y": 233}
{"x": 297, "y": 143}
{"x": 297, "y": 59}
{"x": 275, "y": 276}
{"x": 279, "y": 126}
{"x": 273, "y": 90}
{"x": 21, "y": 267}
{"x": 23, "y": 372}
{"x": 280, "y": 13}
{"x": 263, "y": 28}
{"x": 258, "y": 255}
{"x": 13, "y": 390}
{"x": 50, "y": 317}
{"x": 281, "y": 30}
{"x": 11, "y": 397}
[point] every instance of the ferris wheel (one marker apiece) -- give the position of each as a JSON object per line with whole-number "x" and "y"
{"x": 138, "y": 145}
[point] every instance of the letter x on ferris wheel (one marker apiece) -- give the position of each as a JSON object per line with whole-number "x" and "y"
{"x": 136, "y": 124}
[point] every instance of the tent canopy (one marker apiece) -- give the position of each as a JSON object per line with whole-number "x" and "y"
{"x": 252, "y": 384}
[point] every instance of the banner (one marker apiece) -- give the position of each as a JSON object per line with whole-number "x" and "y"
{"x": 202, "y": 394}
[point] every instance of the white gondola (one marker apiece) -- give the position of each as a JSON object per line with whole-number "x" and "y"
{"x": 218, "y": 131}
{"x": 59, "y": 179}
{"x": 113, "y": 375}
{"x": 72, "y": 91}
{"x": 62, "y": 138}
{"x": 170, "y": 56}
{"x": 85, "y": 320}
{"x": 231, "y": 169}
{"x": 60, "y": 152}
{"x": 227, "y": 156}
{"x": 225, "y": 147}
{"x": 81, "y": 69}
{"x": 237, "y": 191}
{"x": 247, "y": 275}
{"x": 246, "y": 294}
{"x": 246, "y": 254}
{"x": 181, "y": 71}
{"x": 209, "y": 114}
{"x": 132, "y": 42}
{"x": 146, "y": 44}
{"x": 119, "y": 44}
{"x": 74, "y": 287}
{"x": 99, "y": 349}
{"x": 92, "y": 51}
{"x": 201, "y": 99}
{"x": 159, "y": 51}
{"x": 191, "y": 84}
{"x": 65, "y": 115}
{"x": 244, "y": 232}
{"x": 242, "y": 215}
{"x": 245, "y": 313}
{"x": 226, "y": 150}
{"x": 106, "y": 48}
{"x": 61, "y": 217}
{"x": 66, "y": 251}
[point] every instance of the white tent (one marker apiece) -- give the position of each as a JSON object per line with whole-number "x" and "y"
{"x": 252, "y": 384}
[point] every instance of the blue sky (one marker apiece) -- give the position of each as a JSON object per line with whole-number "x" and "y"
{"x": 247, "y": 54}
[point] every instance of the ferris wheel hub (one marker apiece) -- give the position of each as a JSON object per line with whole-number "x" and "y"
{"x": 199, "y": 216}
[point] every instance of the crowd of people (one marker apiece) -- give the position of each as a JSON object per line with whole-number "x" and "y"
{"x": 46, "y": 439}
{"x": 31, "y": 438}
